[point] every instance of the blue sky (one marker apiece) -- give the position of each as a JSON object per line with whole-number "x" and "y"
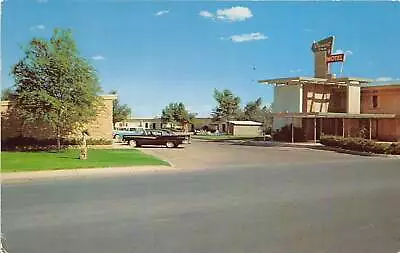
{"x": 154, "y": 53}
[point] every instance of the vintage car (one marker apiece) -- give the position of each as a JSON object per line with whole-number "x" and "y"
{"x": 155, "y": 137}
{"x": 120, "y": 132}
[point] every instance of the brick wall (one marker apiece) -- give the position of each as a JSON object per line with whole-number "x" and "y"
{"x": 387, "y": 99}
{"x": 12, "y": 125}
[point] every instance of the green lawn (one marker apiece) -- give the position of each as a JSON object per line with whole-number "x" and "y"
{"x": 69, "y": 159}
{"x": 225, "y": 137}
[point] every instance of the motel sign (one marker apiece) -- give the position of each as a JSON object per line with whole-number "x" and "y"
{"x": 335, "y": 58}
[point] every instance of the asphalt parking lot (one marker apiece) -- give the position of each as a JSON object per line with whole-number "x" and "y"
{"x": 203, "y": 154}
{"x": 297, "y": 200}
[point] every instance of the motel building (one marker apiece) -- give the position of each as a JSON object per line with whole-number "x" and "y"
{"x": 343, "y": 106}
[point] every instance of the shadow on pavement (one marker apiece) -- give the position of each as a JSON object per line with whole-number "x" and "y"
{"x": 161, "y": 147}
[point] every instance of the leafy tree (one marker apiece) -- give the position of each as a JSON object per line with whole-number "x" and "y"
{"x": 228, "y": 106}
{"x": 253, "y": 110}
{"x": 55, "y": 85}
{"x": 267, "y": 118}
{"x": 120, "y": 112}
{"x": 176, "y": 113}
{"x": 7, "y": 94}
{"x": 256, "y": 112}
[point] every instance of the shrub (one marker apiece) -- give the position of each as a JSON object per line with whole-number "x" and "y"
{"x": 360, "y": 144}
{"x": 21, "y": 143}
{"x": 393, "y": 148}
{"x": 100, "y": 141}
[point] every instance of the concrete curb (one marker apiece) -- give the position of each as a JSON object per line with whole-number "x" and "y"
{"x": 328, "y": 148}
{"x": 83, "y": 172}
{"x": 277, "y": 144}
{"x": 316, "y": 146}
{"x": 360, "y": 153}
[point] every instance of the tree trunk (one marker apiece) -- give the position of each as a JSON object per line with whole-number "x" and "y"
{"x": 58, "y": 139}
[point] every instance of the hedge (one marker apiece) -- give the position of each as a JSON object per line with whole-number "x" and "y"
{"x": 21, "y": 143}
{"x": 360, "y": 144}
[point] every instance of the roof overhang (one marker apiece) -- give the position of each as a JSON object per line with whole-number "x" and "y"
{"x": 342, "y": 81}
{"x": 385, "y": 86}
{"x": 5, "y": 102}
{"x": 109, "y": 96}
{"x": 244, "y": 123}
{"x": 333, "y": 115}
{"x": 143, "y": 118}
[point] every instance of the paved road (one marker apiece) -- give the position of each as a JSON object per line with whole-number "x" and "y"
{"x": 327, "y": 205}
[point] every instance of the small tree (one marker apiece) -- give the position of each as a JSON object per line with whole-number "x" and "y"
{"x": 228, "y": 106}
{"x": 55, "y": 85}
{"x": 121, "y": 112}
{"x": 176, "y": 113}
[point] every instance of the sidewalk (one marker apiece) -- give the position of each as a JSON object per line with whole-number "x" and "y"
{"x": 278, "y": 144}
{"x": 100, "y": 172}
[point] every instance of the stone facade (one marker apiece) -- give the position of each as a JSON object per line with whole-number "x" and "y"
{"x": 13, "y": 126}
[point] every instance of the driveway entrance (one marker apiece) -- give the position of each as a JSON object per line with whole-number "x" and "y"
{"x": 207, "y": 154}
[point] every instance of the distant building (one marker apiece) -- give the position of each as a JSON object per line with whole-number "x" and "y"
{"x": 146, "y": 122}
{"x": 244, "y": 128}
{"x": 149, "y": 123}
{"x": 342, "y": 106}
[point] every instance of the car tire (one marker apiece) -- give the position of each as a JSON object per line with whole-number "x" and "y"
{"x": 117, "y": 138}
{"x": 170, "y": 144}
{"x": 132, "y": 143}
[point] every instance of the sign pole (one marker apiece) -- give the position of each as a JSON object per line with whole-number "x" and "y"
{"x": 341, "y": 69}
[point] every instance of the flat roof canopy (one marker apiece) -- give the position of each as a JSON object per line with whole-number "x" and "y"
{"x": 333, "y": 115}
{"x": 342, "y": 81}
{"x": 245, "y": 123}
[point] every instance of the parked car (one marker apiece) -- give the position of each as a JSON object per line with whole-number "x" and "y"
{"x": 120, "y": 132}
{"x": 155, "y": 137}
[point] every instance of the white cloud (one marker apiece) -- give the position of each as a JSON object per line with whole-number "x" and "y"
{"x": 384, "y": 79}
{"x": 237, "y": 13}
{"x": 233, "y": 14}
{"x": 206, "y": 14}
{"x": 37, "y": 27}
{"x": 98, "y": 57}
{"x": 160, "y": 13}
{"x": 247, "y": 37}
{"x": 295, "y": 70}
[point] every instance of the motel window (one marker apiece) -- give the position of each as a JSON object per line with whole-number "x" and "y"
{"x": 154, "y": 125}
{"x": 146, "y": 125}
{"x": 374, "y": 101}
